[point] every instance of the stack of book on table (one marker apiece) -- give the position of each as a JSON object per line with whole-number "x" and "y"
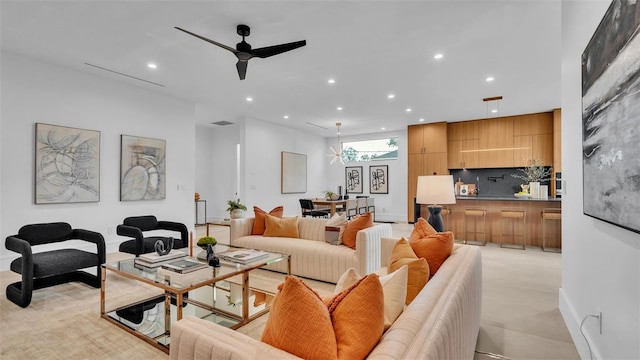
{"x": 184, "y": 266}
{"x": 153, "y": 260}
{"x": 243, "y": 256}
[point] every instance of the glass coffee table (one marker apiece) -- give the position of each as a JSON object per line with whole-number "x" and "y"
{"x": 145, "y": 301}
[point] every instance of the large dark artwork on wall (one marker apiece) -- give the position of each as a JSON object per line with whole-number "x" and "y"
{"x": 611, "y": 117}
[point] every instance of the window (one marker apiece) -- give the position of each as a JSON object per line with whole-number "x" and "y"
{"x": 370, "y": 150}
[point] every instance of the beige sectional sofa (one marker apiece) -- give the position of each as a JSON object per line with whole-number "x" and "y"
{"x": 311, "y": 256}
{"x": 442, "y": 322}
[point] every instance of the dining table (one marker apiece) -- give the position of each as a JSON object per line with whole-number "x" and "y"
{"x": 333, "y": 204}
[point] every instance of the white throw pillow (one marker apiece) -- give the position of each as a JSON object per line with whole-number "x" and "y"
{"x": 394, "y": 287}
{"x": 337, "y": 221}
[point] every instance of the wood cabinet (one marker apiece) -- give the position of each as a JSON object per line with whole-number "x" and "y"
{"x": 533, "y": 139}
{"x": 557, "y": 146}
{"x": 511, "y": 141}
{"x": 427, "y": 146}
{"x": 427, "y": 138}
{"x": 462, "y": 144}
{"x": 495, "y": 142}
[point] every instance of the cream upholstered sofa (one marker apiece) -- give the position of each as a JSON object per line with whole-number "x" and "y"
{"x": 311, "y": 256}
{"x": 442, "y": 322}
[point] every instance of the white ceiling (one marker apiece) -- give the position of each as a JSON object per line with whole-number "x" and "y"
{"x": 371, "y": 48}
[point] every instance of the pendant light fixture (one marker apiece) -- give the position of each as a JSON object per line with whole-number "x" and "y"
{"x": 337, "y": 152}
{"x": 494, "y": 111}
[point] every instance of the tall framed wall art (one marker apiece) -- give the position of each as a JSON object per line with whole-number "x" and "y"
{"x": 353, "y": 179}
{"x": 379, "y": 179}
{"x": 142, "y": 168}
{"x": 610, "y": 113}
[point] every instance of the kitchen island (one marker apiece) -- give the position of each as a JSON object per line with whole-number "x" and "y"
{"x": 454, "y": 221}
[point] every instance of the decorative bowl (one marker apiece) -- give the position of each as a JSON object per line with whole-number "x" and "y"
{"x": 523, "y": 196}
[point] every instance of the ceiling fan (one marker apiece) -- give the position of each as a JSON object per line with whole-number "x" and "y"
{"x": 244, "y": 52}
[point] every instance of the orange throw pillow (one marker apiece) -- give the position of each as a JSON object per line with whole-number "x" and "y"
{"x": 402, "y": 254}
{"x": 281, "y": 227}
{"x": 356, "y": 224}
{"x": 435, "y": 248}
{"x": 421, "y": 229}
{"x": 299, "y": 322}
{"x": 358, "y": 317}
{"x": 259, "y": 225}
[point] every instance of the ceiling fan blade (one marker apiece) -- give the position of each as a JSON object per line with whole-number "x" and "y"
{"x": 209, "y": 40}
{"x": 277, "y": 49}
{"x": 241, "y": 65}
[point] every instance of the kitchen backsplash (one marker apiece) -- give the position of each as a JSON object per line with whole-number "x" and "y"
{"x": 492, "y": 182}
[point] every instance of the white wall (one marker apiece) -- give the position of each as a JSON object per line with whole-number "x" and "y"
{"x": 261, "y": 145}
{"x": 389, "y": 207}
{"x": 33, "y": 91}
{"x": 600, "y": 262}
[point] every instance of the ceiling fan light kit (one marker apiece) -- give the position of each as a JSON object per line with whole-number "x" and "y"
{"x": 243, "y": 50}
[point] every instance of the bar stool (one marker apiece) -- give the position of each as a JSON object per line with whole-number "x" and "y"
{"x": 445, "y": 215}
{"x": 512, "y": 217}
{"x": 475, "y": 214}
{"x": 550, "y": 214}
{"x": 362, "y": 204}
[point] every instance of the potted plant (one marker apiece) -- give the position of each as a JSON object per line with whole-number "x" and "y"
{"x": 204, "y": 241}
{"x": 236, "y": 209}
{"x": 533, "y": 174}
{"x": 330, "y": 195}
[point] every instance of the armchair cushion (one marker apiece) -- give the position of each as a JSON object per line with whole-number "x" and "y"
{"x": 144, "y": 223}
{"x": 57, "y": 262}
{"x": 37, "y": 234}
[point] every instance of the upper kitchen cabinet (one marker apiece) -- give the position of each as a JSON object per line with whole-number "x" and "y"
{"x": 427, "y": 138}
{"x": 533, "y": 138}
{"x": 495, "y": 142}
{"x": 462, "y": 144}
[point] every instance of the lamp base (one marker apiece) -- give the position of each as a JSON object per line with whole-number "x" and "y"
{"x": 435, "y": 217}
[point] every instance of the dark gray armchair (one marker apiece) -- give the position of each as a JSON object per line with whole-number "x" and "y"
{"x": 135, "y": 226}
{"x": 47, "y": 268}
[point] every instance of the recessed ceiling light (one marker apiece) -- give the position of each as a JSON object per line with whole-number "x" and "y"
{"x": 421, "y": 120}
{"x": 152, "y": 66}
{"x": 339, "y": 108}
{"x": 408, "y": 110}
{"x": 249, "y": 99}
{"x": 382, "y": 128}
{"x": 490, "y": 79}
{"x": 494, "y": 110}
{"x": 438, "y": 56}
{"x": 286, "y": 116}
{"x": 331, "y": 81}
{"x": 390, "y": 96}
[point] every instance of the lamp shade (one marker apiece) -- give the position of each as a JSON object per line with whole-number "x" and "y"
{"x": 435, "y": 189}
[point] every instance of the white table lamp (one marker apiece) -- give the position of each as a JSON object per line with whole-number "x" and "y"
{"x": 433, "y": 191}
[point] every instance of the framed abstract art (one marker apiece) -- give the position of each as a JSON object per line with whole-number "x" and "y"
{"x": 610, "y": 113}
{"x": 67, "y": 165}
{"x": 142, "y": 168}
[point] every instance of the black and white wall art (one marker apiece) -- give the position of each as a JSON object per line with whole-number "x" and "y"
{"x": 67, "y": 165}
{"x": 353, "y": 179}
{"x": 142, "y": 168}
{"x": 611, "y": 117}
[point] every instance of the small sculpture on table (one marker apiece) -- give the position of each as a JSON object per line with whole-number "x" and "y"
{"x": 207, "y": 243}
{"x": 163, "y": 246}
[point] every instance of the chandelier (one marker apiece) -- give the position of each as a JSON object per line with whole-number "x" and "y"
{"x": 337, "y": 154}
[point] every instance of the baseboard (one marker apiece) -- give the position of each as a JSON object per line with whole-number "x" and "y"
{"x": 573, "y": 320}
